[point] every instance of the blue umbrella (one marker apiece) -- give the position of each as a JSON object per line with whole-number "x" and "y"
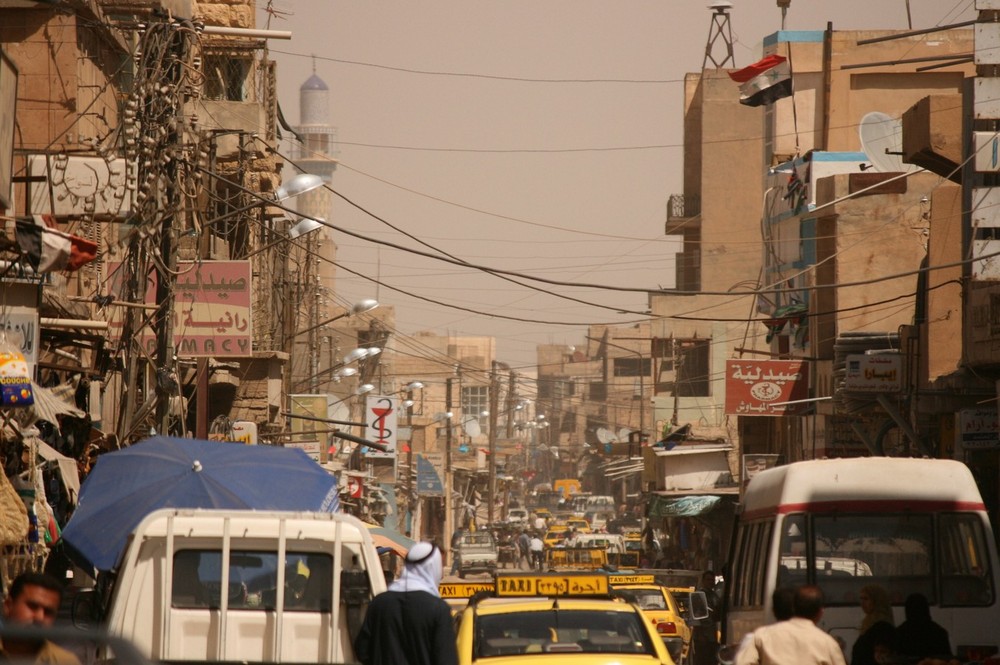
{"x": 167, "y": 472}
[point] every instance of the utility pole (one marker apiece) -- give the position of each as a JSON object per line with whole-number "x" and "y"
{"x": 448, "y": 471}
{"x": 409, "y": 456}
{"x": 492, "y": 473}
{"x": 509, "y": 404}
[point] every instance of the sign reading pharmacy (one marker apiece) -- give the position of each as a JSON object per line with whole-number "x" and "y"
{"x": 211, "y": 308}
{"x": 765, "y": 387}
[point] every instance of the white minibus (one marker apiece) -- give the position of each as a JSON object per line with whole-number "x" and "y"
{"x": 908, "y": 525}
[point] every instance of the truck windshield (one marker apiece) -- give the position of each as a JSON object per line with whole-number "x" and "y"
{"x": 899, "y": 552}
{"x": 253, "y": 580}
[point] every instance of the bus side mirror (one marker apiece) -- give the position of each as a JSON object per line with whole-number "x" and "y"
{"x": 699, "y": 606}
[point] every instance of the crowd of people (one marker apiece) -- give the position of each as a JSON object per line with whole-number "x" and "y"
{"x": 795, "y": 637}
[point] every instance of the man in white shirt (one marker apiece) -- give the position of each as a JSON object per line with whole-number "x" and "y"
{"x": 537, "y": 549}
{"x": 797, "y": 641}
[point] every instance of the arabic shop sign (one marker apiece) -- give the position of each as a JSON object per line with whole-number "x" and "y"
{"x": 211, "y": 308}
{"x": 875, "y": 373}
{"x": 763, "y": 387}
{"x": 430, "y": 467}
{"x": 978, "y": 429}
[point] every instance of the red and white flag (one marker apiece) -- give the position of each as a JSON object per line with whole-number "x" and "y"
{"x": 50, "y": 250}
{"x": 765, "y": 81}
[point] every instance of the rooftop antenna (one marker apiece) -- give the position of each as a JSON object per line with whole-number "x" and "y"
{"x": 784, "y": 5}
{"x": 720, "y": 28}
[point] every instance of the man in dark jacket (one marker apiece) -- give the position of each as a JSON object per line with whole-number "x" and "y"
{"x": 919, "y": 636}
{"x": 704, "y": 636}
{"x": 409, "y": 624}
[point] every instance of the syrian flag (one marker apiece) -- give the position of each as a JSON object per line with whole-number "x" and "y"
{"x": 765, "y": 81}
{"x": 50, "y": 250}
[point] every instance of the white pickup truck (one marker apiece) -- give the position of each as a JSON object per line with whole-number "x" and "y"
{"x": 207, "y": 586}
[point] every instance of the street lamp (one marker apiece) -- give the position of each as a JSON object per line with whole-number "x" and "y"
{"x": 303, "y": 227}
{"x": 359, "y": 307}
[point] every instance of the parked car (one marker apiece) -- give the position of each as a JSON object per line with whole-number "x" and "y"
{"x": 517, "y": 516}
{"x": 477, "y": 553}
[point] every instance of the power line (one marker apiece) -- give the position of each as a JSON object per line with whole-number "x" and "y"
{"x": 494, "y": 77}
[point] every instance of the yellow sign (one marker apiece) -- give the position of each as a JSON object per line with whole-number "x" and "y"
{"x": 630, "y": 579}
{"x": 551, "y": 585}
{"x": 456, "y": 590}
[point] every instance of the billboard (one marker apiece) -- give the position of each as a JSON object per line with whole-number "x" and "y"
{"x": 764, "y": 387}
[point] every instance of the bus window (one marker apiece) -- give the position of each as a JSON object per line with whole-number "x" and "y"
{"x": 760, "y": 554}
{"x": 965, "y": 573}
{"x": 752, "y": 542}
{"x": 892, "y": 550}
{"x": 792, "y": 556}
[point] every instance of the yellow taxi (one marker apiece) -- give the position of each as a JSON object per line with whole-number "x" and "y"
{"x": 572, "y": 615}
{"x": 457, "y": 595}
{"x": 555, "y": 534}
{"x": 660, "y": 608}
{"x": 578, "y": 524}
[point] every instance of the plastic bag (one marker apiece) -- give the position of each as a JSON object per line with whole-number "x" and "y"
{"x": 15, "y": 382}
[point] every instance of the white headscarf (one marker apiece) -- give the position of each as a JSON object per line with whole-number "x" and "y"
{"x": 422, "y": 570}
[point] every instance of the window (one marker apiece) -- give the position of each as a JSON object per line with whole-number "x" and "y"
{"x": 894, "y": 551}
{"x": 475, "y": 401}
{"x": 227, "y": 76}
{"x": 567, "y": 423}
{"x": 631, "y": 366}
{"x": 693, "y": 374}
{"x": 752, "y": 546}
{"x": 966, "y": 579}
{"x": 551, "y": 631}
{"x": 253, "y": 579}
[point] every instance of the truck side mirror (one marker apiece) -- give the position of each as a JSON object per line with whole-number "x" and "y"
{"x": 86, "y": 610}
{"x": 699, "y": 606}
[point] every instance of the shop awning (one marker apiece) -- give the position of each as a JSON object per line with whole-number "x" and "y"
{"x": 68, "y": 470}
{"x": 682, "y": 506}
{"x": 53, "y": 402}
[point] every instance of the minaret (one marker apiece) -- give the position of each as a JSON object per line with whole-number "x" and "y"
{"x": 315, "y": 154}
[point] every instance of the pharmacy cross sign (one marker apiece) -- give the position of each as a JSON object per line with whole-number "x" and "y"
{"x": 380, "y": 416}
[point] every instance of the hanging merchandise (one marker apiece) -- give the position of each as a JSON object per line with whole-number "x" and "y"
{"x": 15, "y": 382}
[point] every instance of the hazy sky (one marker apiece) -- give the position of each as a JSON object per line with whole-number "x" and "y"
{"x": 540, "y": 136}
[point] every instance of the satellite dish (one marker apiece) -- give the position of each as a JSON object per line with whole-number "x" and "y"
{"x": 471, "y": 426}
{"x": 882, "y": 139}
{"x": 605, "y": 436}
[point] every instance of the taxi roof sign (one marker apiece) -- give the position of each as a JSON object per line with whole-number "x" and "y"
{"x": 551, "y": 585}
{"x": 619, "y": 580}
{"x": 450, "y": 590}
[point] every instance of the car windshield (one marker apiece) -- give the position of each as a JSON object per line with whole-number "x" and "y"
{"x": 646, "y": 599}
{"x": 560, "y": 631}
{"x": 480, "y": 538}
